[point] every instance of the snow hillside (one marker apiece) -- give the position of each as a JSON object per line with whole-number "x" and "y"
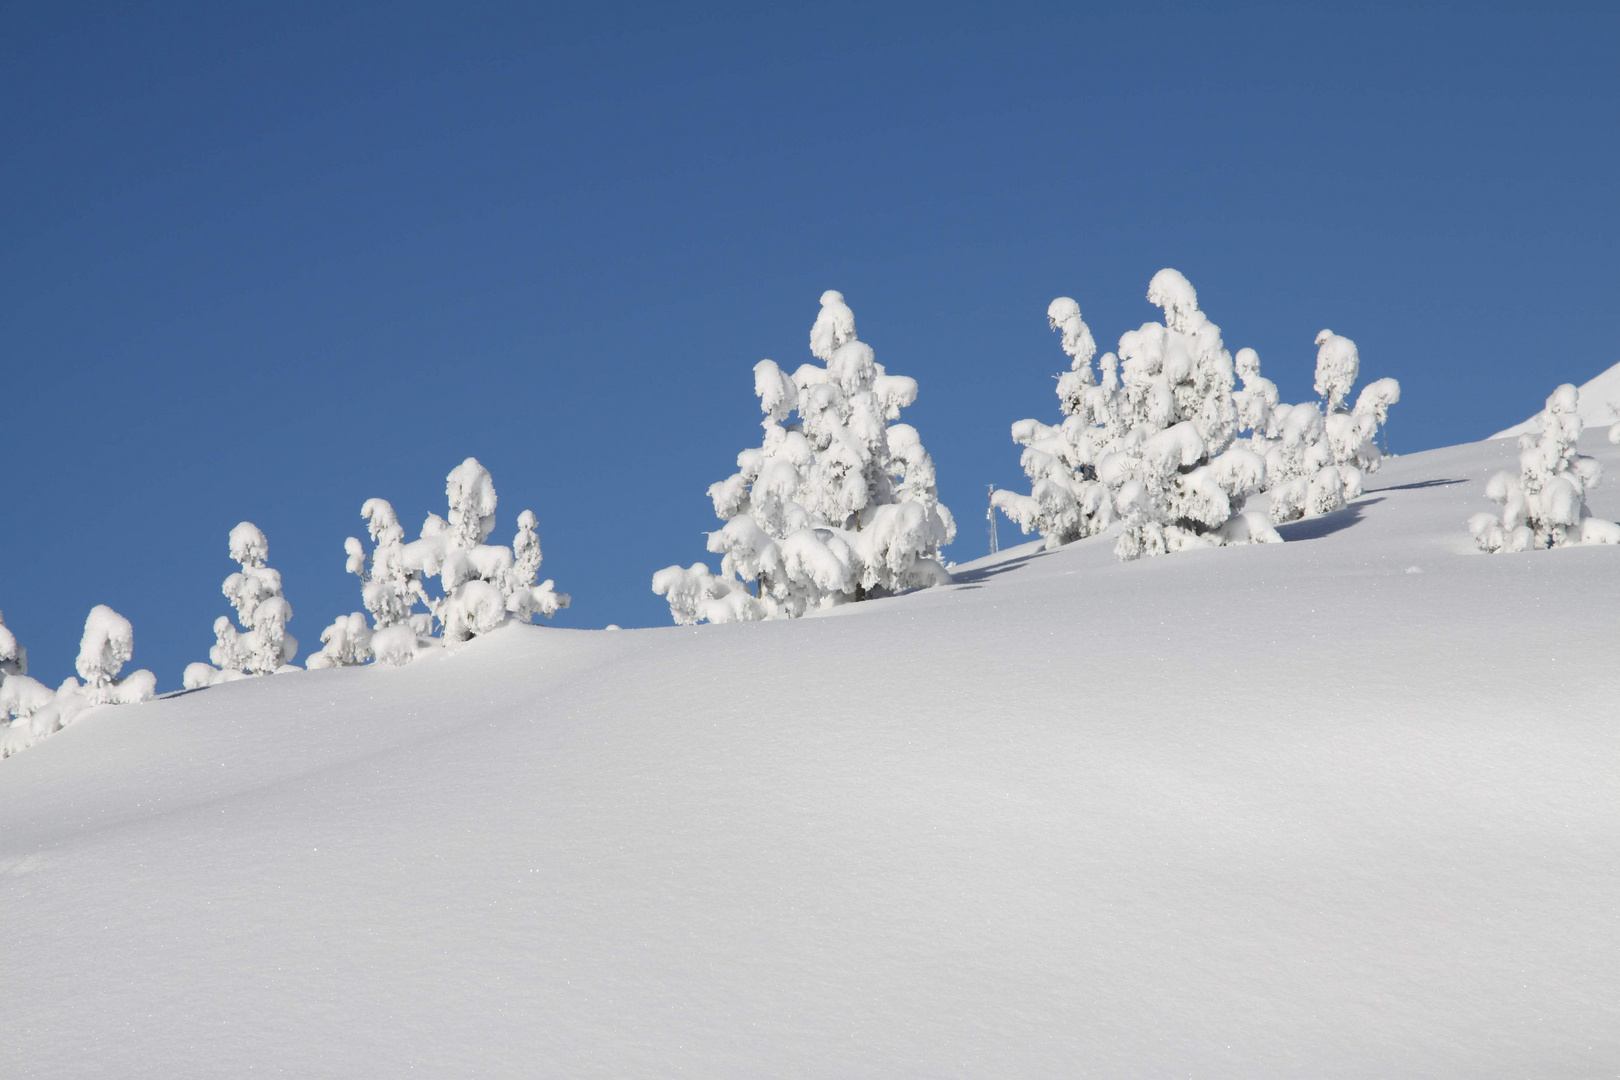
{"x": 1600, "y": 405}
{"x": 1343, "y": 806}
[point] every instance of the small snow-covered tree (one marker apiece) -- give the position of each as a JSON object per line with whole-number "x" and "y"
{"x": 1545, "y": 505}
{"x": 1067, "y": 501}
{"x": 346, "y": 642}
{"x": 524, "y": 598}
{"x": 26, "y": 705}
{"x": 831, "y": 507}
{"x": 30, "y": 711}
{"x": 481, "y": 584}
{"x": 261, "y": 645}
{"x": 107, "y": 644}
{"x": 1315, "y": 459}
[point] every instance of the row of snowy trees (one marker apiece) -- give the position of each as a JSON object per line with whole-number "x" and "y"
{"x": 31, "y": 710}
{"x": 1160, "y": 439}
{"x": 480, "y": 586}
{"x": 839, "y": 502}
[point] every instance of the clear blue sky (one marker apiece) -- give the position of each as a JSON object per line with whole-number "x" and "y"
{"x": 264, "y": 262}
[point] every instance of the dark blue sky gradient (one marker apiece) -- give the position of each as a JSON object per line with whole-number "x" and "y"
{"x": 266, "y": 262}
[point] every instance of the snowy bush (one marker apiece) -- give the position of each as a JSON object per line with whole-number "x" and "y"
{"x": 831, "y": 507}
{"x": 481, "y": 585}
{"x": 33, "y": 711}
{"x": 260, "y": 645}
{"x": 344, "y": 643}
{"x": 1545, "y": 505}
{"x": 1148, "y": 443}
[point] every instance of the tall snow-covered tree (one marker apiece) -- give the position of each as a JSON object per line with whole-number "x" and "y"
{"x": 1545, "y": 505}
{"x": 261, "y": 644}
{"x": 833, "y": 506}
{"x": 480, "y": 584}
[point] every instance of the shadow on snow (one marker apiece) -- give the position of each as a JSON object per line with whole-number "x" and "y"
{"x": 1328, "y": 524}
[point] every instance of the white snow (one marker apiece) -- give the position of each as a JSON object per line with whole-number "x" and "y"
{"x": 1342, "y": 806}
{"x": 1600, "y": 405}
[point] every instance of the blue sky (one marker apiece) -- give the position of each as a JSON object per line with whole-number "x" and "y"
{"x": 266, "y": 262}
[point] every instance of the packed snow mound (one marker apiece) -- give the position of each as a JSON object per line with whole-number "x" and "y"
{"x": 1600, "y": 405}
{"x": 1342, "y": 806}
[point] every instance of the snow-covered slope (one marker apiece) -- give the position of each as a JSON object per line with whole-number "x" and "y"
{"x": 1600, "y": 405}
{"x": 1344, "y": 806}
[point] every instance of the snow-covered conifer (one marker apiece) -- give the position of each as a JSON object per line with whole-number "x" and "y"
{"x": 107, "y": 644}
{"x": 1315, "y": 461}
{"x": 829, "y": 507}
{"x": 1149, "y": 443}
{"x": 27, "y": 707}
{"x": 1545, "y": 505}
{"x": 260, "y": 644}
{"x": 481, "y": 584}
{"x": 30, "y": 710}
{"x": 525, "y": 599}
{"x": 1066, "y": 500}
{"x": 343, "y": 644}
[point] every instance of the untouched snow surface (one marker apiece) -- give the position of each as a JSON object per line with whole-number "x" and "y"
{"x": 1344, "y": 806}
{"x": 1600, "y": 405}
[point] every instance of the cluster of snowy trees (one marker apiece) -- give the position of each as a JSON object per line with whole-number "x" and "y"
{"x": 31, "y": 710}
{"x": 1545, "y": 504}
{"x": 480, "y": 586}
{"x": 836, "y": 504}
{"x": 1153, "y": 436}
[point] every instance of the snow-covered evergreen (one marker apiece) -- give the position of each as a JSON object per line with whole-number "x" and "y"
{"x": 1545, "y": 505}
{"x": 1067, "y": 501}
{"x": 830, "y": 507}
{"x": 481, "y": 584}
{"x": 1148, "y": 443}
{"x": 32, "y": 711}
{"x": 1317, "y": 457}
{"x": 346, "y": 642}
{"x": 260, "y": 645}
{"x": 107, "y": 644}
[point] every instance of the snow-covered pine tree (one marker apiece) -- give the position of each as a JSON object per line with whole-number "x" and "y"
{"x": 1178, "y": 482}
{"x": 261, "y": 645}
{"x": 345, "y": 643}
{"x": 1545, "y": 505}
{"x": 13, "y": 657}
{"x": 525, "y": 599}
{"x": 1067, "y": 501}
{"x": 1315, "y": 462}
{"x": 481, "y": 583}
{"x": 31, "y": 711}
{"x": 27, "y": 706}
{"x": 830, "y": 507}
{"x": 107, "y": 644}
